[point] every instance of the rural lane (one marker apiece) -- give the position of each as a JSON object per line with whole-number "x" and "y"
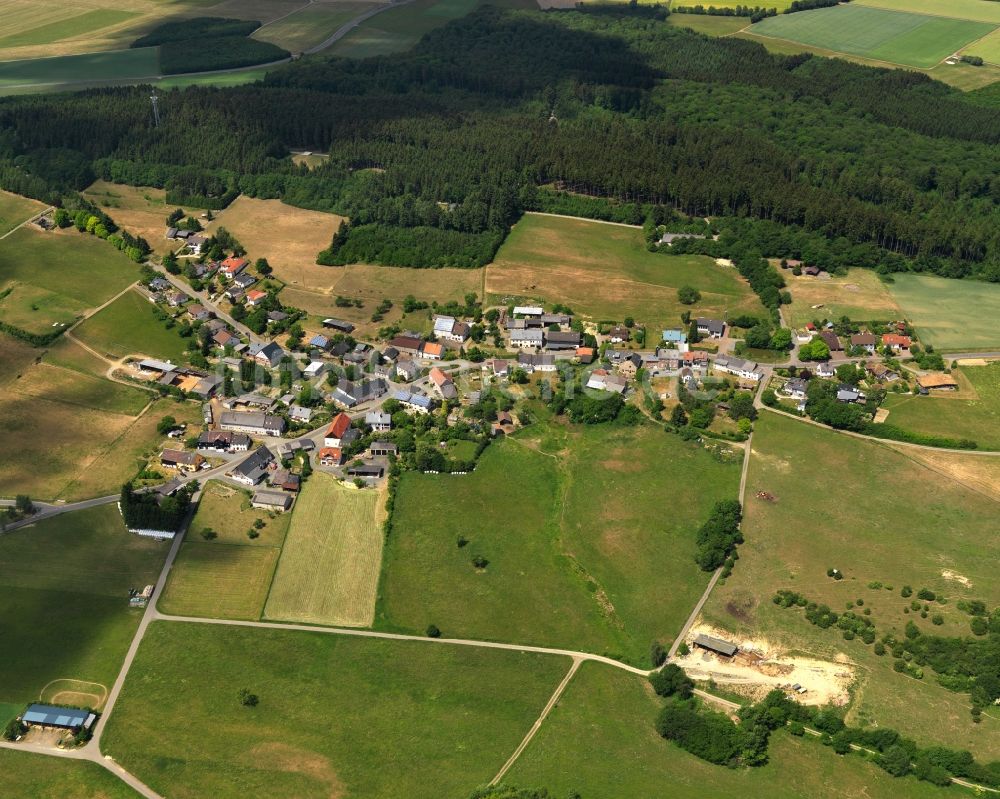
{"x": 47, "y": 510}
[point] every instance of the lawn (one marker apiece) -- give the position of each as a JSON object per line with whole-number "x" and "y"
{"x": 227, "y": 581}
{"x": 313, "y": 24}
{"x": 860, "y": 295}
{"x": 338, "y": 716}
{"x": 112, "y": 65}
{"x": 881, "y": 518}
{"x": 898, "y": 37}
{"x": 556, "y": 259}
{"x": 980, "y": 10}
{"x": 129, "y": 327}
{"x": 226, "y": 510}
{"x": 41, "y": 777}
{"x": 953, "y": 315}
{"x": 64, "y": 599}
{"x": 15, "y": 209}
{"x": 329, "y": 567}
{"x": 599, "y": 741}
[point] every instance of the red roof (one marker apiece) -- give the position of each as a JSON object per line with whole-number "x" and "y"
{"x": 332, "y": 453}
{"x": 438, "y": 377}
{"x": 255, "y": 294}
{"x": 892, "y": 340}
{"x": 339, "y": 426}
{"x": 233, "y": 264}
{"x": 430, "y": 348}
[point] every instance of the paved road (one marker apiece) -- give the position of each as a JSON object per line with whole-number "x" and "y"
{"x": 26, "y": 221}
{"x": 203, "y": 298}
{"x": 46, "y": 510}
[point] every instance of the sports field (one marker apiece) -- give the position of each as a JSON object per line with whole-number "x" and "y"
{"x": 338, "y": 716}
{"x": 557, "y": 259}
{"x": 313, "y": 24}
{"x": 329, "y": 566}
{"x": 15, "y": 209}
{"x": 64, "y": 600}
{"x": 860, "y": 295}
{"x": 874, "y": 536}
{"x": 897, "y": 37}
{"x": 128, "y": 327}
{"x": 952, "y": 315}
{"x": 42, "y": 777}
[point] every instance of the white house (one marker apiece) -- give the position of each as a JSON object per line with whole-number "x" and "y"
{"x": 527, "y": 338}
{"x": 737, "y": 366}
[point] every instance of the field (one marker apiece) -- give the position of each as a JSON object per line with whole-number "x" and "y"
{"x": 141, "y": 210}
{"x": 599, "y": 741}
{"x": 569, "y": 568}
{"x": 64, "y": 600}
{"x": 860, "y": 295}
{"x": 928, "y": 530}
{"x": 980, "y": 10}
{"x": 710, "y": 26}
{"x": 953, "y": 315}
{"x": 313, "y": 24}
{"x": 896, "y": 37}
{"x": 42, "y": 777}
{"x": 329, "y": 566}
{"x": 227, "y": 511}
{"x": 338, "y": 716}
{"x": 945, "y": 415}
{"x": 114, "y": 65}
{"x": 562, "y": 260}
{"x": 226, "y": 581}
{"x": 128, "y": 327}
{"x": 987, "y": 48}
{"x": 15, "y": 209}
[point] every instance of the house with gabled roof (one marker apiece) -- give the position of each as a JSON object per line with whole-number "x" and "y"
{"x": 232, "y": 266}
{"x": 713, "y": 328}
{"x": 252, "y": 470}
{"x": 450, "y": 329}
{"x": 443, "y": 383}
{"x": 338, "y": 431}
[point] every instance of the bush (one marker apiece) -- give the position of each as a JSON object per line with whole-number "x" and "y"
{"x": 433, "y": 631}
{"x": 708, "y": 735}
{"x": 719, "y": 535}
{"x": 671, "y": 681}
{"x": 248, "y": 699}
{"x": 657, "y": 654}
{"x": 687, "y": 295}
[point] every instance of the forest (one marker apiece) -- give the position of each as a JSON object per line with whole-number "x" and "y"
{"x": 435, "y": 153}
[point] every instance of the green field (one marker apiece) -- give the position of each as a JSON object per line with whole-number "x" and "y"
{"x": 980, "y": 10}
{"x": 15, "y": 209}
{"x": 41, "y": 777}
{"x": 952, "y": 315}
{"x": 709, "y": 25}
{"x": 556, "y": 259}
{"x": 77, "y": 25}
{"x": 64, "y": 599}
{"x": 898, "y": 37}
{"x": 987, "y": 48}
{"x": 142, "y": 62}
{"x": 880, "y": 517}
{"x": 338, "y": 716}
{"x": 128, "y": 327}
{"x": 580, "y": 550}
{"x": 599, "y": 741}
{"x": 226, "y": 510}
{"x": 313, "y": 24}
{"x": 860, "y": 295}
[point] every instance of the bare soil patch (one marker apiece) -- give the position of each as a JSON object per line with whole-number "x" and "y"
{"x": 284, "y": 757}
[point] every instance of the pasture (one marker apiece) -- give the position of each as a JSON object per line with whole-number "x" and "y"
{"x": 556, "y": 259}
{"x": 141, "y": 210}
{"x": 849, "y": 520}
{"x": 861, "y": 295}
{"x": 15, "y": 209}
{"x": 600, "y": 741}
{"x": 64, "y": 599}
{"x": 709, "y": 25}
{"x": 224, "y": 581}
{"x": 42, "y": 777}
{"x": 313, "y": 24}
{"x": 226, "y": 510}
{"x": 128, "y": 326}
{"x": 952, "y": 315}
{"x": 338, "y": 716}
{"x": 329, "y": 566}
{"x": 896, "y": 37}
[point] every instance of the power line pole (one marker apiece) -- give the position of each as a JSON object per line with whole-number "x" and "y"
{"x": 156, "y": 109}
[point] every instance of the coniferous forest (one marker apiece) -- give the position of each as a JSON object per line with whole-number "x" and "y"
{"x": 436, "y": 152}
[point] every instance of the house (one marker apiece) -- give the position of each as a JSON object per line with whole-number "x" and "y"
{"x": 160, "y": 284}
{"x": 244, "y": 280}
{"x": 560, "y": 341}
{"x": 366, "y": 471}
{"x": 937, "y": 382}
{"x": 390, "y": 354}
{"x": 177, "y": 298}
{"x": 713, "y": 328}
{"x": 670, "y": 238}
{"x": 338, "y": 434}
{"x": 339, "y": 324}
{"x": 824, "y": 369}
{"x": 668, "y": 358}
{"x": 271, "y": 500}
{"x": 340, "y": 349}
{"x": 629, "y": 366}
{"x": 675, "y": 337}
{"x": 527, "y": 338}
{"x": 407, "y": 345}
{"x": 880, "y": 372}
{"x": 254, "y": 422}
{"x": 498, "y": 367}
{"x": 378, "y": 421}
{"x": 695, "y": 359}
{"x": 619, "y": 335}
{"x": 413, "y": 403}
{"x": 350, "y": 393}
{"x": 232, "y": 266}
{"x": 866, "y": 341}
{"x": 832, "y": 341}
{"x": 360, "y": 355}
{"x": 532, "y": 362}
{"x": 224, "y": 441}
{"x": 182, "y": 461}
{"x": 716, "y": 645}
{"x": 234, "y": 294}
{"x": 602, "y": 380}
{"x": 895, "y": 342}
{"x": 225, "y": 339}
{"x": 202, "y": 271}
{"x": 255, "y": 297}
{"x": 298, "y": 413}
{"x": 585, "y": 354}
{"x": 407, "y": 370}
{"x": 330, "y": 456}
{"x": 320, "y": 342}
{"x": 812, "y": 271}
{"x": 450, "y": 329}
{"x": 443, "y": 383}
{"x": 382, "y": 449}
{"x": 276, "y": 316}
{"x": 849, "y": 393}
{"x": 314, "y": 370}
{"x": 206, "y": 413}
{"x": 266, "y": 354}
{"x": 252, "y": 469}
{"x": 199, "y": 313}
{"x": 431, "y": 350}
{"x": 58, "y": 718}
{"x": 737, "y": 366}
{"x": 796, "y": 388}
{"x": 195, "y": 244}
{"x": 528, "y": 310}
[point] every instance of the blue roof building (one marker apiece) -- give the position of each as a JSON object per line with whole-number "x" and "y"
{"x": 67, "y": 718}
{"x": 674, "y": 336}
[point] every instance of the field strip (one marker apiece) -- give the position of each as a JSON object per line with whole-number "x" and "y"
{"x": 584, "y": 219}
{"x": 538, "y": 722}
{"x": 864, "y": 58}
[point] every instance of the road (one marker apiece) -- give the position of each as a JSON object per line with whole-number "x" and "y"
{"x": 203, "y": 298}
{"x": 46, "y": 510}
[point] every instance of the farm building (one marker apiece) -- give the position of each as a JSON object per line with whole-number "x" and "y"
{"x": 252, "y": 470}
{"x": 527, "y": 338}
{"x": 58, "y": 718}
{"x": 567, "y": 340}
{"x": 271, "y": 500}
{"x": 339, "y": 324}
{"x": 716, "y": 645}
{"x": 339, "y": 432}
{"x": 264, "y": 424}
{"x": 183, "y": 461}
{"x": 381, "y": 449}
{"x": 450, "y": 329}
{"x": 528, "y": 310}
{"x": 937, "y": 382}
{"x": 832, "y": 341}
{"x": 367, "y": 471}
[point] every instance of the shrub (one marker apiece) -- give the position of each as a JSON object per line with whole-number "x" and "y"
{"x": 433, "y": 631}
{"x": 657, "y": 654}
{"x": 248, "y": 699}
{"x": 480, "y": 562}
{"x": 708, "y": 735}
{"x": 671, "y": 681}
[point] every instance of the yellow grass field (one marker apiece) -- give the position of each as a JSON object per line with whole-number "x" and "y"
{"x": 219, "y": 580}
{"x": 141, "y": 210}
{"x": 312, "y": 24}
{"x": 226, "y": 510}
{"x": 329, "y": 567}
{"x": 15, "y": 209}
{"x": 860, "y": 295}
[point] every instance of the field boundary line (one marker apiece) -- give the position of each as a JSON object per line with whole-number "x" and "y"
{"x": 556, "y": 695}
{"x": 583, "y": 219}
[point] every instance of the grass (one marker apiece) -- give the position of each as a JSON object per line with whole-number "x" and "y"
{"x": 563, "y": 260}
{"x": 860, "y": 295}
{"x": 227, "y": 511}
{"x": 988, "y": 48}
{"x": 15, "y": 209}
{"x": 952, "y": 315}
{"x": 313, "y": 24}
{"x": 222, "y": 581}
{"x": 329, "y": 566}
{"x": 64, "y": 598}
{"x": 979, "y": 10}
{"x": 42, "y": 777}
{"x": 44, "y": 381}
{"x": 141, "y": 210}
{"x": 128, "y": 327}
{"x": 337, "y": 716}
{"x": 710, "y": 26}
{"x": 114, "y": 65}
{"x": 966, "y": 77}
{"x": 77, "y": 25}
{"x": 897, "y": 37}
{"x": 878, "y": 516}
{"x": 599, "y": 741}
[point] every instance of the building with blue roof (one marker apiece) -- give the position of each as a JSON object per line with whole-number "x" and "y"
{"x": 63, "y": 718}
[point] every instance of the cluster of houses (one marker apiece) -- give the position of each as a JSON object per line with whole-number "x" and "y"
{"x": 528, "y": 327}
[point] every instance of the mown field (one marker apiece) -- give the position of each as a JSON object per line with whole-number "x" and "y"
{"x": 987, "y": 48}
{"x": 64, "y": 599}
{"x": 952, "y": 315}
{"x": 338, "y": 716}
{"x": 599, "y": 741}
{"x": 885, "y": 520}
{"x": 128, "y": 327}
{"x": 313, "y": 24}
{"x": 710, "y": 26}
{"x": 859, "y": 295}
{"x": 226, "y": 511}
{"x": 897, "y": 37}
{"x": 15, "y": 209}
{"x": 141, "y": 210}
{"x": 555, "y": 259}
{"x": 980, "y": 10}
{"x": 329, "y": 567}
{"x": 42, "y": 777}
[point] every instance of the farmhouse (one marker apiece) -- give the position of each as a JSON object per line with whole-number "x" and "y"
{"x": 58, "y": 718}
{"x": 339, "y": 324}
{"x": 330, "y": 456}
{"x": 349, "y": 394}
{"x": 558, "y": 341}
{"x": 937, "y": 382}
{"x": 695, "y": 359}
{"x": 527, "y": 338}
{"x": 716, "y": 645}
{"x": 585, "y": 354}
{"x": 737, "y": 366}
{"x": 271, "y": 500}
{"x": 232, "y": 266}
{"x": 256, "y": 423}
{"x": 866, "y": 341}
{"x": 340, "y": 432}
{"x": 408, "y": 370}
{"x": 619, "y": 335}
{"x": 182, "y": 461}
{"x": 601, "y": 380}
{"x": 450, "y": 329}
{"x": 896, "y": 342}
{"x": 252, "y": 470}
{"x": 224, "y": 441}
{"x": 413, "y": 403}
{"x": 407, "y": 345}
{"x": 378, "y": 421}
{"x": 713, "y": 328}
{"x": 431, "y": 351}
{"x": 497, "y": 367}
{"x": 266, "y": 354}
{"x": 532, "y": 362}
{"x": 443, "y": 383}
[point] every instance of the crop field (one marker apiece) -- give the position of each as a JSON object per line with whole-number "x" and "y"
{"x": 15, "y": 209}
{"x": 979, "y": 10}
{"x": 128, "y": 327}
{"x": 42, "y": 777}
{"x": 860, "y": 295}
{"x": 338, "y": 716}
{"x": 710, "y": 26}
{"x": 329, "y": 567}
{"x": 141, "y": 210}
{"x": 952, "y": 315}
{"x": 113, "y": 65}
{"x": 897, "y": 37}
{"x": 599, "y": 741}
{"x": 64, "y": 599}
{"x": 313, "y": 24}
{"x": 558, "y": 259}
{"x": 987, "y": 48}
{"x": 874, "y": 537}
{"x": 977, "y": 419}
{"x": 226, "y": 510}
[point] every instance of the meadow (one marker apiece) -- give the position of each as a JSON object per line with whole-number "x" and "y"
{"x": 128, "y": 327}
{"x": 226, "y": 510}
{"x": 600, "y": 741}
{"x": 952, "y": 315}
{"x": 329, "y": 566}
{"x": 64, "y": 599}
{"x": 113, "y": 65}
{"x": 556, "y": 259}
{"x": 979, "y": 10}
{"x": 142, "y": 210}
{"x": 41, "y": 777}
{"x": 15, "y": 209}
{"x": 337, "y": 715}
{"x": 987, "y": 48}
{"x": 885, "y": 520}
{"x": 860, "y": 295}
{"x": 313, "y": 24}
{"x": 897, "y": 37}
{"x": 709, "y": 25}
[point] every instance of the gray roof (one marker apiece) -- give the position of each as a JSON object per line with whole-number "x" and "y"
{"x": 255, "y": 466}
{"x": 52, "y": 716}
{"x": 711, "y": 325}
{"x": 716, "y": 645}
{"x": 535, "y": 336}
{"x": 275, "y": 499}
{"x": 378, "y": 417}
{"x": 253, "y": 419}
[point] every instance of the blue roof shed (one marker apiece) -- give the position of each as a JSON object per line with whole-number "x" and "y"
{"x": 68, "y": 718}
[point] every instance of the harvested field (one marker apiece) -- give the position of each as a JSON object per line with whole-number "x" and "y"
{"x": 709, "y": 25}
{"x": 980, "y": 474}
{"x": 329, "y": 567}
{"x": 313, "y": 24}
{"x": 226, "y": 581}
{"x": 15, "y": 209}
{"x": 860, "y": 295}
